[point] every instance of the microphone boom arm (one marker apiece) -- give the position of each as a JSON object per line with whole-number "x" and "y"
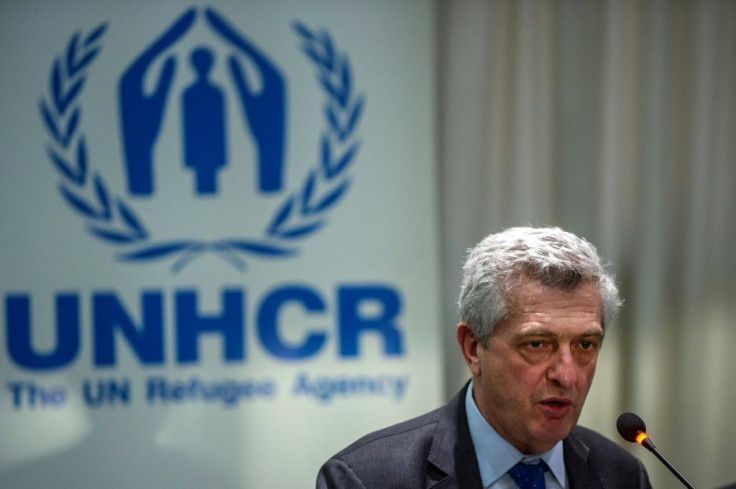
{"x": 647, "y": 443}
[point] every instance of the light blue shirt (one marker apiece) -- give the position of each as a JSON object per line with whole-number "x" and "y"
{"x": 496, "y": 456}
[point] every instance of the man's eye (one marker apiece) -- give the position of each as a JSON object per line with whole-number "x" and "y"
{"x": 587, "y": 345}
{"x": 536, "y": 344}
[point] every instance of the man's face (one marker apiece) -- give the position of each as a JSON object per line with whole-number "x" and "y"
{"x": 531, "y": 379}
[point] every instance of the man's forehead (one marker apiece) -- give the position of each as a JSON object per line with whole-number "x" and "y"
{"x": 592, "y": 328}
{"x": 527, "y": 293}
{"x": 534, "y": 307}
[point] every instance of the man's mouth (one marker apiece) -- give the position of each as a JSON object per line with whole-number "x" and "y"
{"x": 556, "y": 407}
{"x": 555, "y": 402}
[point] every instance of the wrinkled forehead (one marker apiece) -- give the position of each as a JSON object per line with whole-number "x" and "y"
{"x": 528, "y": 292}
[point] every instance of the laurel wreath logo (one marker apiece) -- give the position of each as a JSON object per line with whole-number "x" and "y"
{"x": 111, "y": 219}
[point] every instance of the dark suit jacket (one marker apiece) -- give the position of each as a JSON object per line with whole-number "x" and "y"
{"x": 436, "y": 451}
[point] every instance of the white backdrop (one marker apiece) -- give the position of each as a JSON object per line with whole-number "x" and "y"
{"x": 181, "y": 298}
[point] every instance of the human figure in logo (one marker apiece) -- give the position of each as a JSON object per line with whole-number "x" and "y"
{"x": 204, "y": 125}
{"x": 141, "y": 115}
{"x": 264, "y": 110}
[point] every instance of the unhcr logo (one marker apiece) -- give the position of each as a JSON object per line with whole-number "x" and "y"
{"x": 113, "y": 215}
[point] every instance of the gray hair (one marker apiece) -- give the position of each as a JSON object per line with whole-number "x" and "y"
{"x": 552, "y": 256}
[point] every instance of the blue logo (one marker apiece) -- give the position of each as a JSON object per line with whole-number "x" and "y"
{"x": 112, "y": 217}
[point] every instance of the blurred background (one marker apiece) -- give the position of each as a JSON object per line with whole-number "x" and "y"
{"x": 615, "y": 120}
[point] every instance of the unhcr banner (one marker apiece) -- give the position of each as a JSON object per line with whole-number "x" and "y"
{"x": 219, "y": 259}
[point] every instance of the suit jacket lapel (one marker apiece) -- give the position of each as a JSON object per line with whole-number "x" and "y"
{"x": 579, "y": 473}
{"x": 452, "y": 463}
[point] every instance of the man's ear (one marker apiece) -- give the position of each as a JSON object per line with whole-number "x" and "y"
{"x": 469, "y": 345}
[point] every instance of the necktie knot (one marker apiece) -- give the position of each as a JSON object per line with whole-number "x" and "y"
{"x": 529, "y": 476}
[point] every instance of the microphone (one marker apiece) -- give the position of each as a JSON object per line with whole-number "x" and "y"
{"x": 632, "y": 428}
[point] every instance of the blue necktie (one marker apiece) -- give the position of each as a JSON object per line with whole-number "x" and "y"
{"x": 529, "y": 476}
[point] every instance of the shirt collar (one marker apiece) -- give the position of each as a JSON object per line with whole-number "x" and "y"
{"x": 496, "y": 455}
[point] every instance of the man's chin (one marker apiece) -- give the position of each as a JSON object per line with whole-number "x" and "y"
{"x": 553, "y": 432}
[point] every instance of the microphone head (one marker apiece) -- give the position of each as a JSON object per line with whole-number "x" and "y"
{"x": 629, "y": 425}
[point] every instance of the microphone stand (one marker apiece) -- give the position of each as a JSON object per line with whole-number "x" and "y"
{"x": 647, "y": 443}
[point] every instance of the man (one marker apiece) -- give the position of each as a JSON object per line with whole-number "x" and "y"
{"x": 534, "y": 306}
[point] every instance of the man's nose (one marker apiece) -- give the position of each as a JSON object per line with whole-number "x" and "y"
{"x": 562, "y": 370}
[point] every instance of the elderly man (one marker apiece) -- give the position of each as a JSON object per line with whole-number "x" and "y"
{"x": 534, "y": 307}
